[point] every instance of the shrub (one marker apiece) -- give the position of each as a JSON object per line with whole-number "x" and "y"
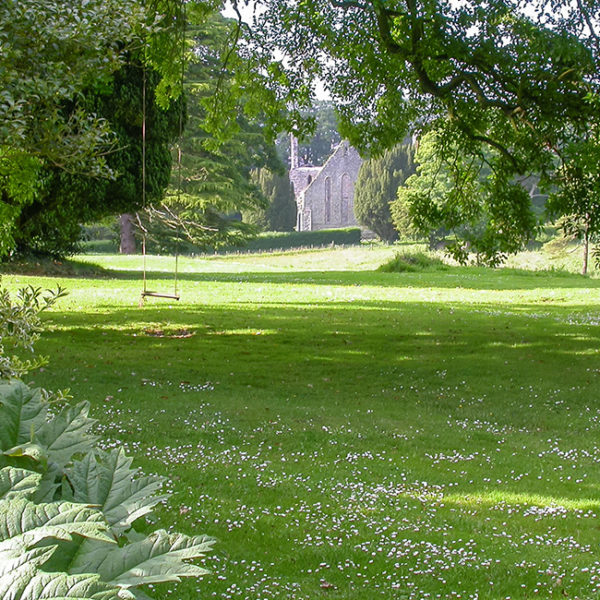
{"x": 411, "y": 262}
{"x": 302, "y": 239}
{"x": 20, "y": 328}
{"x": 68, "y": 509}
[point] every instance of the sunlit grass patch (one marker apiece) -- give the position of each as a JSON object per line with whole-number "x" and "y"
{"x": 352, "y": 434}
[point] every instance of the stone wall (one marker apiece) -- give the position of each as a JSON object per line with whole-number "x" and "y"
{"x": 328, "y": 202}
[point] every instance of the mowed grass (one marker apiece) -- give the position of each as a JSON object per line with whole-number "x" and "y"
{"x": 346, "y": 433}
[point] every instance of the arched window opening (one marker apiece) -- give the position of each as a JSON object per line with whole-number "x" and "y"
{"x": 327, "y": 200}
{"x": 346, "y": 199}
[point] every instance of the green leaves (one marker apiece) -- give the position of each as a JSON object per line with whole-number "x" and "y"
{"x": 21, "y": 412}
{"x": 20, "y": 326}
{"x": 28, "y": 583}
{"x": 17, "y": 483}
{"x": 23, "y": 523}
{"x": 27, "y": 437}
{"x": 377, "y": 186}
{"x": 22, "y": 526}
{"x": 107, "y": 480}
{"x": 67, "y": 548}
{"x": 158, "y": 558}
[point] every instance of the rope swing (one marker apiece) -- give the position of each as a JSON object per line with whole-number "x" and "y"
{"x": 145, "y": 292}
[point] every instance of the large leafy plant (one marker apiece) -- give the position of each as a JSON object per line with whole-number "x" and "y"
{"x": 20, "y": 328}
{"x": 68, "y": 509}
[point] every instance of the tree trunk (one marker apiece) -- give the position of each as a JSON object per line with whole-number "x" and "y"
{"x": 127, "y": 237}
{"x": 586, "y": 245}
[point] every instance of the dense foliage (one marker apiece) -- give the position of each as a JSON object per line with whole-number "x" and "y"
{"x": 77, "y": 156}
{"x": 504, "y": 84}
{"x": 210, "y": 186}
{"x": 376, "y": 187}
{"x": 51, "y": 222}
{"x": 450, "y": 189}
{"x": 50, "y": 53}
{"x": 576, "y": 192}
{"x": 280, "y": 211}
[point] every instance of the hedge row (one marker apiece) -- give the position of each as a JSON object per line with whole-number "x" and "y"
{"x": 300, "y": 239}
{"x": 264, "y": 242}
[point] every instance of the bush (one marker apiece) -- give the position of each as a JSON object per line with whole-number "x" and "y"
{"x": 20, "y": 328}
{"x": 411, "y": 262}
{"x": 68, "y": 509}
{"x": 301, "y": 239}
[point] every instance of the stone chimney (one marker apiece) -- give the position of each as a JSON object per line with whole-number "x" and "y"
{"x": 293, "y": 152}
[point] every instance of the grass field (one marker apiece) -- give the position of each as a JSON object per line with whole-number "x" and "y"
{"x": 347, "y": 433}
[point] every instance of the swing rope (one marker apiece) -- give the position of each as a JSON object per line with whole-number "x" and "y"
{"x": 146, "y": 292}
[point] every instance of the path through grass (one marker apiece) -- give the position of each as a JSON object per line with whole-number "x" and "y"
{"x": 352, "y": 434}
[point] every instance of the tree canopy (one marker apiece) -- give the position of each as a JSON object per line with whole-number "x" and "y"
{"x": 211, "y": 185}
{"x": 507, "y": 83}
{"x": 70, "y": 140}
{"x": 51, "y": 222}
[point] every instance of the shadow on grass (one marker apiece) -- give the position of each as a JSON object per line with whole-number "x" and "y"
{"x": 457, "y": 277}
{"x": 358, "y": 336}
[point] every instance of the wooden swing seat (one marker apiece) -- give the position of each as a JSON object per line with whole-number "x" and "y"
{"x": 159, "y": 295}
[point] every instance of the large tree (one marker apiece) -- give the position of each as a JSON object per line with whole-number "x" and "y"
{"x": 377, "y": 186}
{"x": 505, "y": 82}
{"x": 279, "y": 212}
{"x": 215, "y": 171}
{"x": 211, "y": 184}
{"x": 576, "y": 197}
{"x": 51, "y": 222}
{"x": 51, "y": 51}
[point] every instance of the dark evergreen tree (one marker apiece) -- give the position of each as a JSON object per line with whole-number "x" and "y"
{"x": 50, "y": 224}
{"x": 280, "y": 211}
{"x": 377, "y": 185}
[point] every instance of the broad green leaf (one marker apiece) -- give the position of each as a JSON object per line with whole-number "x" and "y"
{"x": 11, "y": 560}
{"x": 22, "y": 411}
{"x": 158, "y": 558}
{"x": 46, "y": 490}
{"x": 28, "y": 583}
{"x": 29, "y": 450}
{"x": 67, "y": 434}
{"x": 18, "y": 482}
{"x": 108, "y": 481}
{"x": 23, "y": 524}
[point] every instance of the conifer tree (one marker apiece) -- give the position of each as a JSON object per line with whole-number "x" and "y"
{"x": 279, "y": 214}
{"x": 377, "y": 186}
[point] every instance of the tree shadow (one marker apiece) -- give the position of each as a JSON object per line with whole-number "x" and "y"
{"x": 458, "y": 277}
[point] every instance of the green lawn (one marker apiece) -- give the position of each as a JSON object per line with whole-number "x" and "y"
{"x": 351, "y": 434}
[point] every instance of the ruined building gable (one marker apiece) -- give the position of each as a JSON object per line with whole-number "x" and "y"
{"x": 325, "y": 195}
